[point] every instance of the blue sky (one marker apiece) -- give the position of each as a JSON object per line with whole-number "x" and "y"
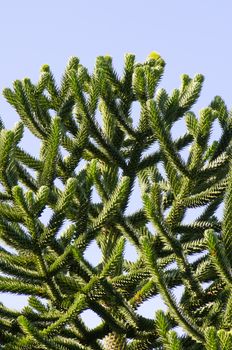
{"x": 192, "y": 37}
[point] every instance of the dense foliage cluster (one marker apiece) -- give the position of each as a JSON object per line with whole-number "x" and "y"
{"x": 90, "y": 120}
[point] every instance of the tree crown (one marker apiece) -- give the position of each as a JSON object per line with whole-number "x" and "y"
{"x": 93, "y": 125}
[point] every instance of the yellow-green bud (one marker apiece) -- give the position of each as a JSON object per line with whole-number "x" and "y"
{"x": 44, "y": 68}
{"x": 153, "y": 56}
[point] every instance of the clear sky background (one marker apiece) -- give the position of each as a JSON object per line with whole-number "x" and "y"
{"x": 191, "y": 36}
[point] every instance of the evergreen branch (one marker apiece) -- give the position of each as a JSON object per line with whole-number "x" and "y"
{"x": 41, "y": 199}
{"x": 164, "y": 138}
{"x": 202, "y": 133}
{"x": 33, "y": 336}
{"x": 19, "y": 101}
{"x": 218, "y": 256}
{"x": 51, "y": 86}
{"x": 52, "y": 229}
{"x": 47, "y": 174}
{"x": 23, "y": 273}
{"x": 95, "y": 130}
{"x": 114, "y": 263}
{"x": 6, "y": 149}
{"x": 226, "y": 321}
{"x": 12, "y": 234}
{"x": 190, "y": 91}
{"x": 152, "y": 209}
{"x": 218, "y": 164}
{"x": 206, "y": 196}
{"x": 219, "y": 106}
{"x": 224, "y": 142}
{"x": 227, "y": 219}
{"x": 72, "y": 65}
{"x": 211, "y": 338}
{"x": 38, "y": 103}
{"x": 128, "y": 230}
{"x": 173, "y": 177}
{"x": 25, "y": 177}
{"x": 124, "y": 309}
{"x": 113, "y": 207}
{"x": 10, "y": 213}
{"x": 36, "y": 304}
{"x": 27, "y": 159}
{"x": 168, "y": 337}
{"x": 169, "y": 299}
{"x": 147, "y": 290}
{"x": 59, "y": 263}
{"x": 12, "y": 285}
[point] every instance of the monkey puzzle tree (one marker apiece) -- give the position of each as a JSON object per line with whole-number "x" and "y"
{"x": 90, "y": 116}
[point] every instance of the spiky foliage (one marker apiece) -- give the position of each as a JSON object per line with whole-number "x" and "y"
{"x": 90, "y": 117}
